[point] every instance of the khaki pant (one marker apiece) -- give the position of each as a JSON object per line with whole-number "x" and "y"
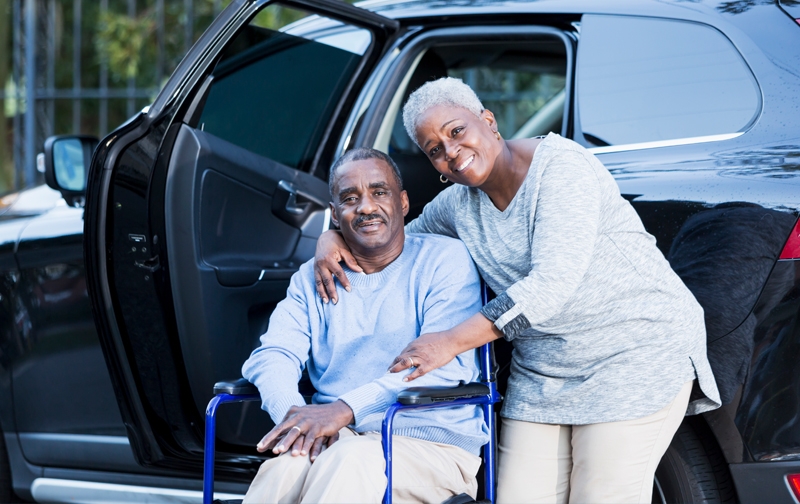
{"x": 586, "y": 464}
{"x": 352, "y": 471}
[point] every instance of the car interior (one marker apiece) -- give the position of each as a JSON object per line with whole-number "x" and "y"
{"x": 523, "y": 83}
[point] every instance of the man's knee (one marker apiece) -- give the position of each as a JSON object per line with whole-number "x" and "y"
{"x": 358, "y": 451}
{"x": 284, "y": 467}
{"x": 351, "y": 470}
{"x": 287, "y": 463}
{"x": 279, "y": 479}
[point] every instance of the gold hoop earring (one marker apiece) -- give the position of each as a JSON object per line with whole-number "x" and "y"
{"x": 443, "y": 179}
{"x": 497, "y": 134}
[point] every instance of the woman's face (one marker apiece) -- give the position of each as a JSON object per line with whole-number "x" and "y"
{"x": 461, "y": 146}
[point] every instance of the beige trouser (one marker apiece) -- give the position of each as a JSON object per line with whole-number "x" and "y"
{"x": 586, "y": 464}
{"x": 352, "y": 471}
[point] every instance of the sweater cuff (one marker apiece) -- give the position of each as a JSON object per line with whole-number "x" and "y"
{"x": 365, "y": 400}
{"x": 277, "y": 405}
{"x": 506, "y": 315}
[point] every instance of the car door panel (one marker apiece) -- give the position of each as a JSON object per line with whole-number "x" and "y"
{"x": 222, "y": 236}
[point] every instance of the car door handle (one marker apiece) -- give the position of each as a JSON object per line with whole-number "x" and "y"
{"x": 294, "y": 205}
{"x": 291, "y": 203}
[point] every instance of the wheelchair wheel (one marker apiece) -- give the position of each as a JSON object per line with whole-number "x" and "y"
{"x": 693, "y": 470}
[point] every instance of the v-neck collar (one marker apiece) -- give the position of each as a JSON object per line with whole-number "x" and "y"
{"x": 487, "y": 202}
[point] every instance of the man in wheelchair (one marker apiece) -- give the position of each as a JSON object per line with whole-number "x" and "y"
{"x": 330, "y": 451}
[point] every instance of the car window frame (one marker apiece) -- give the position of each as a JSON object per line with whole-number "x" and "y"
{"x": 374, "y": 103}
{"x": 576, "y": 120}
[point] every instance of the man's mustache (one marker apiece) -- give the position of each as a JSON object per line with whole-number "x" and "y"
{"x": 363, "y": 218}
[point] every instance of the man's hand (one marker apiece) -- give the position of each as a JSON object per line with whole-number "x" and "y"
{"x": 308, "y": 429}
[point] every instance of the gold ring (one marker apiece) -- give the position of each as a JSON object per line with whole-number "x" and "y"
{"x": 411, "y": 361}
{"x": 298, "y": 429}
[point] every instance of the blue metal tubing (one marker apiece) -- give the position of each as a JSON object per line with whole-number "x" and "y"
{"x": 211, "y": 432}
{"x": 489, "y": 450}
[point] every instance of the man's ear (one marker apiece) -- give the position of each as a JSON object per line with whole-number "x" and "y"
{"x": 404, "y": 202}
{"x": 488, "y": 116}
{"x": 334, "y": 217}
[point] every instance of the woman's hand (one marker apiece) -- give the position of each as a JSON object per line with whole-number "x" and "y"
{"x": 331, "y": 249}
{"x": 424, "y": 354}
{"x": 434, "y": 350}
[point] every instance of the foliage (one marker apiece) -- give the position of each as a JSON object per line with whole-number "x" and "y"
{"x": 131, "y": 47}
{"x": 275, "y": 16}
{"x": 120, "y": 41}
{"x": 128, "y": 45}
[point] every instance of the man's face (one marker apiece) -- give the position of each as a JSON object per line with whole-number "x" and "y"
{"x": 369, "y": 206}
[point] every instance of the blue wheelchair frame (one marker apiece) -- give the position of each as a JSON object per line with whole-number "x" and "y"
{"x": 224, "y": 392}
{"x": 487, "y": 398}
{"x": 483, "y": 393}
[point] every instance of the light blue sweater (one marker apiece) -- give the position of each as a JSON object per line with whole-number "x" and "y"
{"x": 432, "y": 286}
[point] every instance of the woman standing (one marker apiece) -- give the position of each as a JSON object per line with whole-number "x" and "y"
{"x": 607, "y": 340}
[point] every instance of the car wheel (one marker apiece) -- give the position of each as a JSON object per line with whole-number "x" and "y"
{"x": 6, "y": 493}
{"x": 693, "y": 469}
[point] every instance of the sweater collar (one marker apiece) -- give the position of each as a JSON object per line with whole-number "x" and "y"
{"x": 378, "y": 278}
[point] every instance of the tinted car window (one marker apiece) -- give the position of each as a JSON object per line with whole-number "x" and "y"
{"x": 274, "y": 91}
{"x": 644, "y": 80}
{"x": 515, "y": 84}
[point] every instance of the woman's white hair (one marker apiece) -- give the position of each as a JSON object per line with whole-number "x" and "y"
{"x": 444, "y": 91}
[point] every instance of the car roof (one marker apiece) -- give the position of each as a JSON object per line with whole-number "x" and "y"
{"x": 405, "y": 9}
{"x": 438, "y": 11}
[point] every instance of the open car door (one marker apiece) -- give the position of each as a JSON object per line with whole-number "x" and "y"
{"x": 200, "y": 209}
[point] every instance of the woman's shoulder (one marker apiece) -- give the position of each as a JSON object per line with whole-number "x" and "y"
{"x": 554, "y": 143}
{"x": 556, "y": 150}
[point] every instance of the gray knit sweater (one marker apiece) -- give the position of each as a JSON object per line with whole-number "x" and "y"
{"x": 603, "y": 329}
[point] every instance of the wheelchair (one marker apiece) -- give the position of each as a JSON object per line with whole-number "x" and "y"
{"x": 483, "y": 393}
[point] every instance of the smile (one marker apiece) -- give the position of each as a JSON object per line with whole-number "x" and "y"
{"x": 370, "y": 224}
{"x": 466, "y": 163}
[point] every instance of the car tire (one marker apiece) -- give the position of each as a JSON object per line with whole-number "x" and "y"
{"x": 6, "y": 492}
{"x": 693, "y": 470}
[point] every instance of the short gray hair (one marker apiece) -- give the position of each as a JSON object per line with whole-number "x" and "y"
{"x": 362, "y": 154}
{"x": 444, "y": 91}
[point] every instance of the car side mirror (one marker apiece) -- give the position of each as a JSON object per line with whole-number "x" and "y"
{"x": 66, "y": 165}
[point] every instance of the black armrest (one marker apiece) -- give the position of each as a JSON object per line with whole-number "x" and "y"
{"x": 244, "y": 276}
{"x": 428, "y": 395}
{"x": 235, "y": 387}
